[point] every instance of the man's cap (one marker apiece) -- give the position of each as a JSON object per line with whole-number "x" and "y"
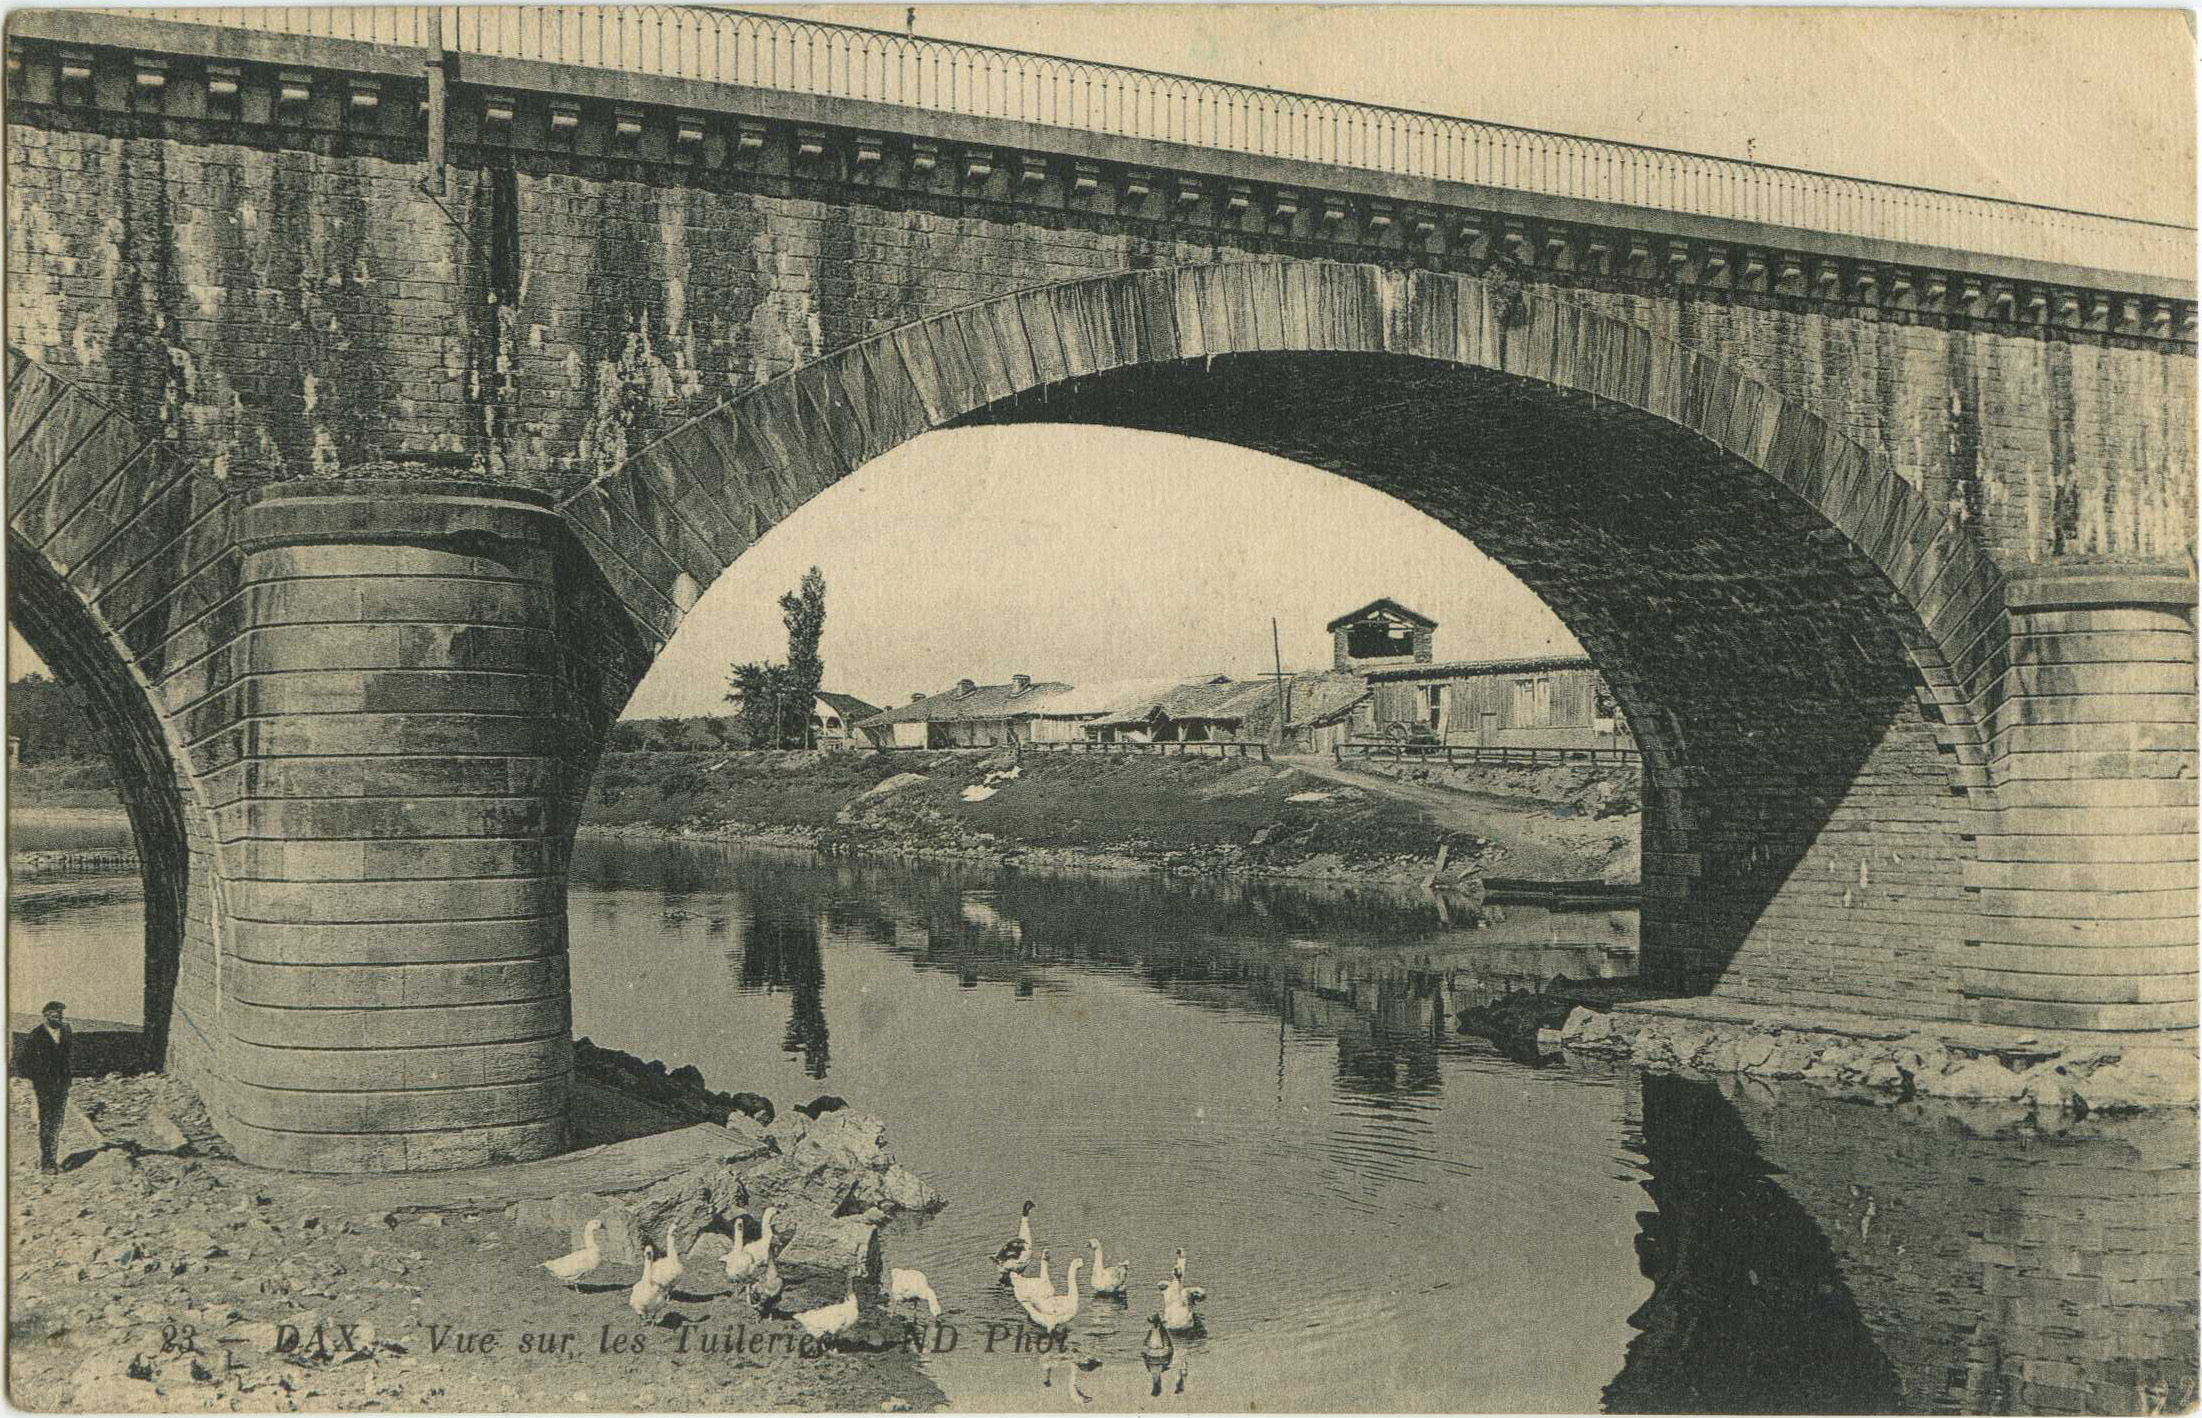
{"x": 51, "y": 1005}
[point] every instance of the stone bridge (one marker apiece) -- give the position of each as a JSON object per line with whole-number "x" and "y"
{"x": 380, "y": 402}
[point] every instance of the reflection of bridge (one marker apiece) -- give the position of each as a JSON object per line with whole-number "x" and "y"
{"x": 1874, "y": 505}
{"x": 1835, "y": 1268}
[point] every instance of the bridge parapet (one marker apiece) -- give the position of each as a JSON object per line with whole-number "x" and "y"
{"x": 708, "y": 89}
{"x": 793, "y": 56}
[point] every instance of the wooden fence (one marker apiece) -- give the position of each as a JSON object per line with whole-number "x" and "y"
{"x": 1191, "y": 748}
{"x": 1508, "y": 755}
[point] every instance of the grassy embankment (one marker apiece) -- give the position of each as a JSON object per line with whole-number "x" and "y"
{"x": 1195, "y": 814}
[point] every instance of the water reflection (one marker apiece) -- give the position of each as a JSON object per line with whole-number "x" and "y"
{"x": 779, "y": 953}
{"x": 1808, "y": 1255}
{"x": 1749, "y": 1312}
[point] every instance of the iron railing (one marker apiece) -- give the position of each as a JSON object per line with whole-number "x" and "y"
{"x": 845, "y": 61}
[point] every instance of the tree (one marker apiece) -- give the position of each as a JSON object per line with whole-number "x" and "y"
{"x": 761, "y": 689}
{"x": 804, "y": 612}
{"x": 776, "y": 699}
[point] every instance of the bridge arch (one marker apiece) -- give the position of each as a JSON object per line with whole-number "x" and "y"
{"x": 1787, "y": 623}
{"x": 78, "y": 479}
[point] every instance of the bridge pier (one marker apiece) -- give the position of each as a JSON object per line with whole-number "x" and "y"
{"x": 2085, "y": 875}
{"x": 391, "y": 966}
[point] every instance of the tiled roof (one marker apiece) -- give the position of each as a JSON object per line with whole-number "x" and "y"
{"x": 983, "y": 701}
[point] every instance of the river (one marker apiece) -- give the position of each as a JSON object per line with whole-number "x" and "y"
{"x": 1384, "y": 1214}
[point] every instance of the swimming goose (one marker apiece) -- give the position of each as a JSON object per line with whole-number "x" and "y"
{"x": 571, "y": 1266}
{"x": 1177, "y": 1304}
{"x": 1053, "y": 1312}
{"x": 911, "y": 1286}
{"x": 1018, "y": 1248}
{"x": 648, "y": 1297}
{"x": 830, "y": 1321}
{"x": 1026, "y": 1286}
{"x": 1107, "y": 1279}
{"x": 1158, "y": 1351}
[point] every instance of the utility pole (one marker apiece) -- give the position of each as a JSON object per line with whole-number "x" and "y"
{"x": 1276, "y": 650}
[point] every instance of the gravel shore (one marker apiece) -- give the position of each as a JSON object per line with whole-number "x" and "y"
{"x": 157, "y": 1274}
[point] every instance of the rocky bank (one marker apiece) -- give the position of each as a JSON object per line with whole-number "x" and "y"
{"x": 2045, "y": 1080}
{"x": 158, "y": 1273}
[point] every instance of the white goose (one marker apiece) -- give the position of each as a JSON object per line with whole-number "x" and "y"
{"x": 829, "y": 1321}
{"x": 1018, "y": 1248}
{"x": 1027, "y": 1286}
{"x": 648, "y": 1297}
{"x": 1107, "y": 1279}
{"x": 1054, "y": 1312}
{"x": 911, "y": 1287}
{"x": 668, "y": 1268}
{"x": 760, "y": 1249}
{"x": 571, "y": 1266}
{"x": 742, "y": 1263}
{"x": 1177, "y": 1304}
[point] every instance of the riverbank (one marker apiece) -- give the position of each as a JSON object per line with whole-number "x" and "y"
{"x": 2015, "y": 1077}
{"x": 157, "y": 1273}
{"x": 1195, "y": 815}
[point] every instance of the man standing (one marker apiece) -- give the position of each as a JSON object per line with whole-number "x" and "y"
{"x": 44, "y": 1060}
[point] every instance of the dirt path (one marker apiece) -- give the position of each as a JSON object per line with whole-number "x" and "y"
{"x": 1535, "y": 842}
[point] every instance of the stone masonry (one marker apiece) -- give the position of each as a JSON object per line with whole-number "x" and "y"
{"x": 369, "y": 507}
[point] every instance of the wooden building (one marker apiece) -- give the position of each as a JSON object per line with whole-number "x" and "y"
{"x": 1381, "y": 635}
{"x": 1547, "y": 702}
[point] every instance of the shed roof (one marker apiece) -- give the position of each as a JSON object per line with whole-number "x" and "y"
{"x": 848, "y": 706}
{"x": 1102, "y": 697}
{"x": 1470, "y": 669}
{"x": 984, "y": 701}
{"x": 1383, "y": 603}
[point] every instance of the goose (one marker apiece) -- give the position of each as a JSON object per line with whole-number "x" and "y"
{"x": 1018, "y": 1248}
{"x": 668, "y": 1268}
{"x": 1107, "y": 1279}
{"x": 1054, "y": 1312}
{"x": 911, "y": 1286}
{"x": 829, "y": 1321}
{"x": 758, "y": 1250}
{"x": 1158, "y": 1351}
{"x": 740, "y": 1260}
{"x": 571, "y": 1266}
{"x": 648, "y": 1297}
{"x": 1177, "y": 1304}
{"x": 1027, "y": 1287}
{"x": 765, "y": 1288}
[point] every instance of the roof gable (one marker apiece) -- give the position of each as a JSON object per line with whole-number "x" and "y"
{"x": 1387, "y": 608}
{"x": 848, "y": 706}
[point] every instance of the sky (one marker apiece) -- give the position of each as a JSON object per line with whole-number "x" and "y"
{"x": 1082, "y": 554}
{"x": 1141, "y": 555}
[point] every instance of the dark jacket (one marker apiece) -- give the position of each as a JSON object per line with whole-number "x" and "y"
{"x": 41, "y": 1060}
